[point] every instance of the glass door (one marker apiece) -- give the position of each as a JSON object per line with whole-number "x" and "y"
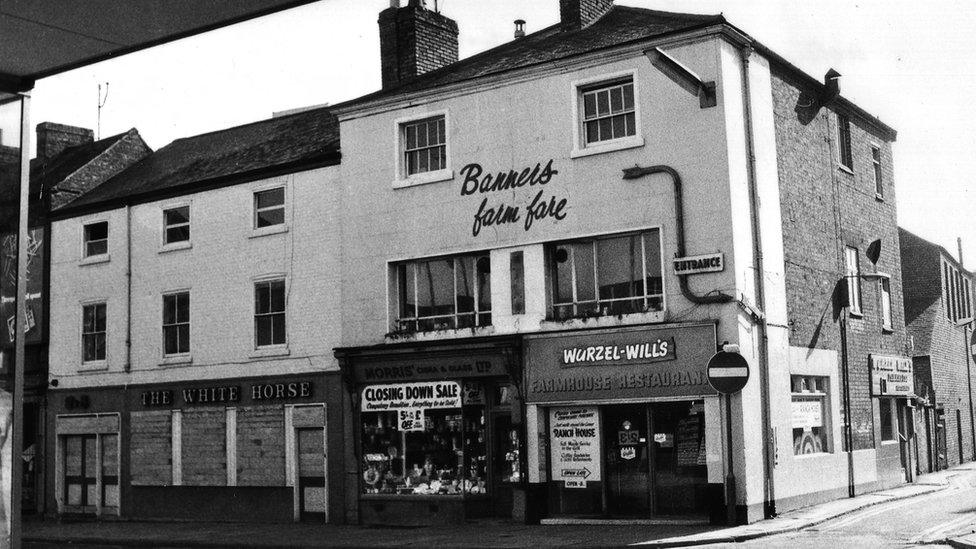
{"x": 680, "y": 473}
{"x": 627, "y": 458}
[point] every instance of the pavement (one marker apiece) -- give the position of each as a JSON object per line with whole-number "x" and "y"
{"x": 497, "y": 533}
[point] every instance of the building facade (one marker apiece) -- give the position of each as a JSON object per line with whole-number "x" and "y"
{"x": 938, "y": 313}
{"x": 186, "y": 381}
{"x": 613, "y": 199}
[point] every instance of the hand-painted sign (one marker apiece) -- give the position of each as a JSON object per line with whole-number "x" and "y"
{"x": 806, "y": 414}
{"x": 538, "y": 209}
{"x": 411, "y": 419}
{"x": 696, "y": 264}
{"x": 8, "y": 287}
{"x": 651, "y": 350}
{"x": 575, "y": 445}
{"x": 892, "y": 376}
{"x": 430, "y": 395}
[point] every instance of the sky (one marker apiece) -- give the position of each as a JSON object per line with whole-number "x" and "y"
{"x": 908, "y": 62}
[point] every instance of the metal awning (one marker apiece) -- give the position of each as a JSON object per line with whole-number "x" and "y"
{"x": 40, "y": 38}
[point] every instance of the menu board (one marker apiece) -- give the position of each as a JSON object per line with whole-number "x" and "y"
{"x": 575, "y": 450}
{"x": 689, "y": 442}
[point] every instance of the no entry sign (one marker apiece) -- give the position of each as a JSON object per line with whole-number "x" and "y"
{"x": 728, "y": 372}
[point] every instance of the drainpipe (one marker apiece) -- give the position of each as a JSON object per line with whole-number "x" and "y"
{"x": 769, "y": 442}
{"x": 128, "y": 288}
{"x": 636, "y": 172}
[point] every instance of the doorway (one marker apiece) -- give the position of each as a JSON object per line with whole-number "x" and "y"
{"x": 627, "y": 458}
{"x": 311, "y": 473}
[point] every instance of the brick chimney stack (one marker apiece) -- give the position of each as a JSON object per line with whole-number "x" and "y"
{"x": 53, "y": 138}
{"x": 579, "y": 14}
{"x": 414, "y": 41}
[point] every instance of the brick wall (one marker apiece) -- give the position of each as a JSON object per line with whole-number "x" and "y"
{"x": 204, "y": 447}
{"x": 414, "y": 41}
{"x": 53, "y": 138}
{"x": 826, "y": 208}
{"x": 260, "y": 446}
{"x": 150, "y": 452}
{"x": 124, "y": 153}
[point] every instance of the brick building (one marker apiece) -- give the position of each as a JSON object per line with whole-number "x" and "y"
{"x": 938, "y": 315}
{"x": 69, "y": 162}
{"x": 187, "y": 380}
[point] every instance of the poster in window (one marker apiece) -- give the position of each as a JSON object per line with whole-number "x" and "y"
{"x": 688, "y": 441}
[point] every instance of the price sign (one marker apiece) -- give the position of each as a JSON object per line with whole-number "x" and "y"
{"x": 411, "y": 419}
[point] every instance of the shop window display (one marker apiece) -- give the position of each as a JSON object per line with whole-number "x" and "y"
{"x": 439, "y": 452}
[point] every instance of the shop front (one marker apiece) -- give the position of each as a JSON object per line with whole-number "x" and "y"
{"x": 438, "y": 429}
{"x": 256, "y": 449}
{"x": 893, "y": 385}
{"x": 627, "y": 422}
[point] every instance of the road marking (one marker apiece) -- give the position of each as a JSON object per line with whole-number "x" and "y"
{"x": 942, "y": 531}
{"x": 884, "y": 507}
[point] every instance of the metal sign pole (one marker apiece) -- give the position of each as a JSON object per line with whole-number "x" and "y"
{"x": 730, "y": 474}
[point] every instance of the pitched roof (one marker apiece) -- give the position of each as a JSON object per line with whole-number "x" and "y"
{"x": 48, "y": 173}
{"x": 212, "y": 159}
{"x": 619, "y": 26}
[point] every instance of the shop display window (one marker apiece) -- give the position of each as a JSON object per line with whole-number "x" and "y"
{"x": 809, "y": 407}
{"x": 438, "y": 452}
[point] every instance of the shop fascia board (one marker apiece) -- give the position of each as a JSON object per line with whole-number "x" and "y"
{"x": 354, "y": 109}
{"x": 439, "y": 347}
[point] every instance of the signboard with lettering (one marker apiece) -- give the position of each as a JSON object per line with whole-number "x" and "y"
{"x": 33, "y": 306}
{"x": 806, "y": 414}
{"x": 428, "y": 395}
{"x": 619, "y": 363}
{"x": 891, "y": 376}
{"x": 219, "y": 394}
{"x": 419, "y": 367}
{"x": 575, "y": 445}
{"x": 697, "y": 264}
{"x": 411, "y": 419}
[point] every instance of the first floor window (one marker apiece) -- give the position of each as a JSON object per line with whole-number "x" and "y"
{"x": 176, "y": 225}
{"x": 269, "y": 313}
{"x": 886, "y": 303}
{"x": 878, "y": 173}
{"x": 176, "y": 323}
{"x": 844, "y": 141}
{"x": 608, "y": 111}
{"x": 611, "y": 275}
{"x": 96, "y": 239}
{"x": 93, "y": 332}
{"x": 853, "y": 277}
{"x": 809, "y": 406}
{"x": 444, "y": 293}
{"x": 424, "y": 145}
{"x": 888, "y": 415}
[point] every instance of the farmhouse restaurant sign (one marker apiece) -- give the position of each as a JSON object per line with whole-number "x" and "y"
{"x": 892, "y": 376}
{"x": 697, "y": 264}
{"x": 429, "y": 395}
{"x": 489, "y": 214}
{"x": 619, "y": 363}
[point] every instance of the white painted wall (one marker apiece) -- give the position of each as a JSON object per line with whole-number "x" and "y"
{"x": 219, "y": 270}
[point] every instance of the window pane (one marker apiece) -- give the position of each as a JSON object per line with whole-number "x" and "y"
{"x": 99, "y": 346}
{"x": 435, "y": 287}
{"x": 465, "y": 284}
{"x": 652, "y": 265}
{"x": 178, "y": 234}
{"x": 96, "y": 248}
{"x": 562, "y": 273}
{"x": 277, "y": 295}
{"x": 169, "y": 309}
{"x": 100, "y": 318}
{"x": 606, "y": 129}
{"x": 589, "y": 105}
{"x": 405, "y": 280}
{"x": 266, "y": 218}
{"x": 616, "y": 99}
{"x": 271, "y": 197}
{"x": 96, "y": 231}
{"x": 483, "y": 266}
{"x": 631, "y": 124}
{"x": 422, "y": 135}
{"x": 177, "y": 215}
{"x": 423, "y": 164}
{"x": 183, "y": 307}
{"x": 262, "y": 326}
{"x": 171, "y": 340}
{"x": 628, "y": 96}
{"x": 603, "y": 102}
{"x": 278, "y": 329}
{"x": 887, "y": 432}
{"x": 184, "y": 337}
{"x": 441, "y": 131}
{"x": 619, "y": 267}
{"x": 583, "y": 260}
{"x": 411, "y": 136}
{"x": 262, "y": 297}
{"x": 592, "y": 132}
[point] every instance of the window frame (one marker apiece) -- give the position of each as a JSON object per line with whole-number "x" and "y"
{"x": 255, "y": 211}
{"x": 577, "y": 90}
{"x": 104, "y": 333}
{"x": 402, "y": 322}
{"x": 852, "y": 273}
{"x": 175, "y": 294}
{"x": 167, "y": 226}
{"x": 85, "y": 255}
{"x": 891, "y": 404}
{"x": 845, "y": 149}
{"x": 876, "y": 164}
{"x": 551, "y": 284}
{"x": 822, "y": 396}
{"x": 401, "y": 178}
{"x": 270, "y": 281}
{"x": 884, "y": 290}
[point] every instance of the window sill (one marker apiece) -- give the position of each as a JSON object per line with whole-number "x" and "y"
{"x": 176, "y": 360}
{"x": 451, "y": 333}
{"x": 855, "y": 314}
{"x": 812, "y": 456}
{"x": 889, "y": 442}
{"x": 845, "y": 169}
{"x": 94, "y": 366}
{"x": 654, "y": 317}
{"x": 95, "y": 259}
{"x": 887, "y": 331}
{"x": 424, "y": 178}
{"x": 265, "y": 231}
{"x": 609, "y": 146}
{"x": 270, "y": 351}
{"x": 176, "y": 246}
{"x": 879, "y": 197}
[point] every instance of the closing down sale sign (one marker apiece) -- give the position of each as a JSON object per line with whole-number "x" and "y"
{"x": 429, "y": 395}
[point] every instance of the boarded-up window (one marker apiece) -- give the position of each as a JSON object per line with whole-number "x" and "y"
{"x": 204, "y": 448}
{"x": 260, "y": 446}
{"x": 150, "y": 448}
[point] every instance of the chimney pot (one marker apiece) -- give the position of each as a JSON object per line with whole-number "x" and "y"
{"x": 414, "y": 41}
{"x": 519, "y": 28}
{"x": 579, "y": 14}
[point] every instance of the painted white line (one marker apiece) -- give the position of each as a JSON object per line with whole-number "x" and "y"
{"x": 880, "y": 508}
{"x": 941, "y": 531}
{"x": 738, "y": 371}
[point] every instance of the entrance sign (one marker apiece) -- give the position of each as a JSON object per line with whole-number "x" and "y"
{"x": 697, "y": 264}
{"x": 728, "y": 372}
{"x": 575, "y": 445}
{"x": 429, "y": 395}
{"x": 892, "y": 376}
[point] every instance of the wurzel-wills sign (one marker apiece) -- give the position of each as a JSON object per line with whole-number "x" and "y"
{"x": 892, "y": 376}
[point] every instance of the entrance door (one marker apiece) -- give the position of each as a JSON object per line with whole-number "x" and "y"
{"x": 625, "y": 436}
{"x": 311, "y": 473}
{"x": 505, "y": 458}
{"x": 680, "y": 473}
{"x": 905, "y": 433}
{"x": 940, "y": 439}
{"x": 80, "y": 472}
